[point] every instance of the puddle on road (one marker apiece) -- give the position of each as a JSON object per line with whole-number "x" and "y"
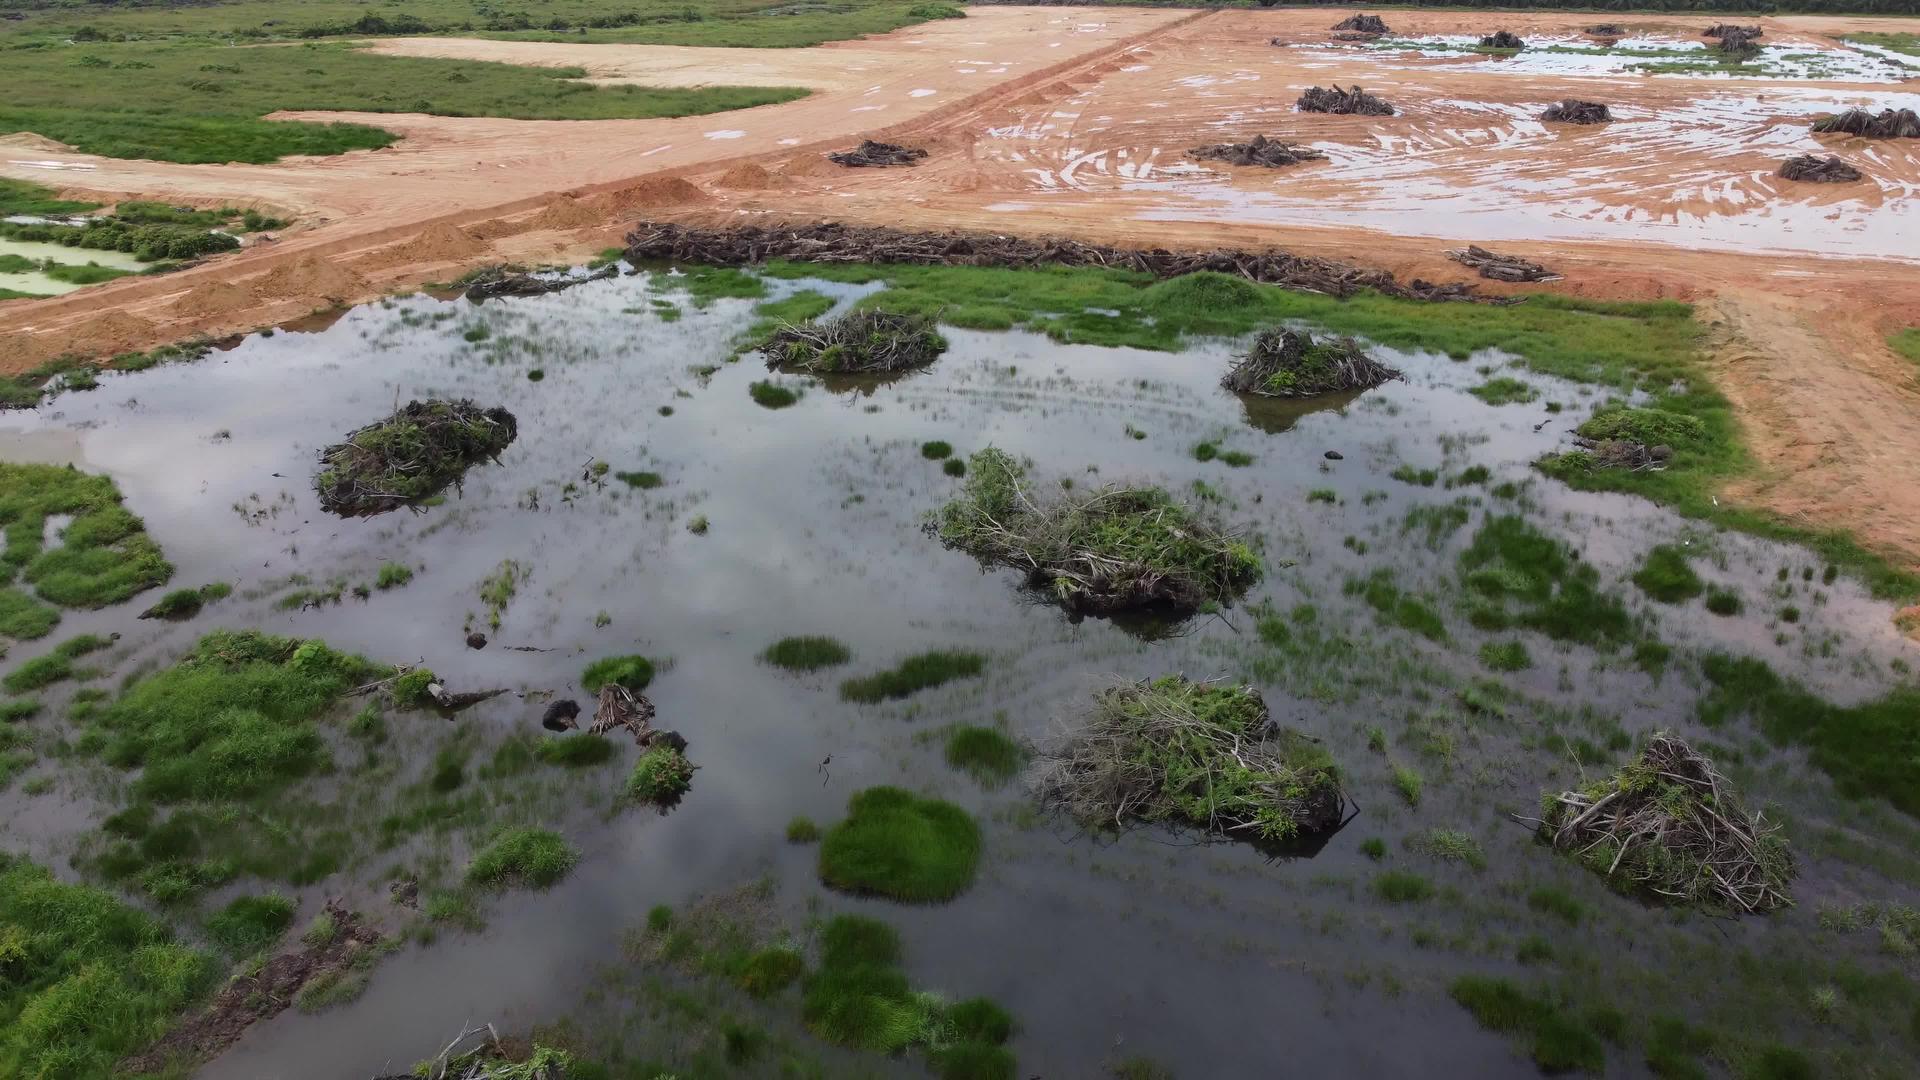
{"x": 816, "y": 515}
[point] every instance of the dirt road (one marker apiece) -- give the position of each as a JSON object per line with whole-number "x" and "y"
{"x": 1077, "y": 121}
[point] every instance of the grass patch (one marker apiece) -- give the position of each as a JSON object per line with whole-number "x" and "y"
{"x": 249, "y": 924}
{"x": 984, "y": 753}
{"x": 1506, "y": 656}
{"x": 860, "y": 998}
{"x": 1522, "y": 577}
{"x": 392, "y": 575}
{"x": 772, "y": 395}
{"x": 809, "y": 652}
{"x": 575, "y": 749}
{"x": 900, "y": 846}
{"x": 1408, "y": 783}
{"x": 1557, "y": 902}
{"x": 1559, "y": 1042}
{"x": 23, "y": 618}
{"x": 523, "y": 856}
{"x": 104, "y": 555}
{"x": 1723, "y": 601}
{"x": 1667, "y": 576}
{"x": 186, "y": 603}
{"x": 936, "y": 450}
{"x": 645, "y": 481}
{"x": 922, "y": 671}
{"x": 1906, "y": 343}
{"x": 15, "y": 710}
{"x": 1395, "y": 607}
{"x": 1402, "y": 887}
{"x": 661, "y": 777}
{"x": 1505, "y": 390}
{"x": 802, "y": 830}
{"x": 634, "y": 673}
{"x": 56, "y": 666}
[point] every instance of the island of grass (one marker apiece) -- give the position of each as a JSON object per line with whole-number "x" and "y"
{"x": 410, "y": 456}
{"x": 104, "y": 554}
{"x": 900, "y": 846}
{"x": 860, "y": 997}
{"x": 1290, "y": 364}
{"x": 1206, "y": 755}
{"x": 866, "y": 342}
{"x": 1104, "y": 551}
{"x": 1521, "y": 577}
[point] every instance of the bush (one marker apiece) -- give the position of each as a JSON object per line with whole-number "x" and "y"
{"x": 523, "y": 855}
{"x": 632, "y": 672}
{"x": 900, "y": 846}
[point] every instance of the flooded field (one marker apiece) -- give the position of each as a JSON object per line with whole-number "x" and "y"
{"x": 743, "y": 525}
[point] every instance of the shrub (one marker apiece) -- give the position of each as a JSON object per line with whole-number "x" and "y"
{"x": 900, "y": 846}
{"x": 524, "y": 856}
{"x": 632, "y": 672}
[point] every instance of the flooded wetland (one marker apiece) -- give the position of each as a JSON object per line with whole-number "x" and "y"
{"x": 652, "y": 504}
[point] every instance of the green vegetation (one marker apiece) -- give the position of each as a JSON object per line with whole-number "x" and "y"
{"x": 1153, "y": 550}
{"x": 772, "y": 395}
{"x": 1408, "y": 783}
{"x": 802, "y": 830}
{"x": 1558, "y": 902}
{"x": 523, "y": 856}
{"x": 14, "y": 710}
{"x": 1522, "y": 577}
{"x": 645, "y": 481}
{"x": 936, "y": 450}
{"x": 249, "y": 924}
{"x": 18, "y": 197}
{"x": 633, "y": 672}
{"x": 1402, "y": 887}
{"x": 1667, "y": 576}
{"x": 1451, "y": 845}
{"x": 900, "y": 846}
{"x": 1906, "y": 343}
{"x": 1506, "y": 656}
{"x": 104, "y": 555}
{"x": 803, "y": 306}
{"x": 984, "y": 753}
{"x": 24, "y": 618}
{"x": 809, "y": 652}
{"x": 56, "y": 666}
{"x": 1724, "y": 601}
{"x": 1397, "y": 608}
{"x": 88, "y": 980}
{"x": 1505, "y": 390}
{"x": 922, "y": 671}
{"x": 575, "y": 749}
{"x": 393, "y": 575}
{"x": 1559, "y": 1042}
{"x": 661, "y": 776}
{"x": 954, "y": 467}
{"x": 409, "y": 456}
{"x": 186, "y": 603}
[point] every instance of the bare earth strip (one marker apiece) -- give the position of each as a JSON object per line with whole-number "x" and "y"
{"x": 1076, "y": 121}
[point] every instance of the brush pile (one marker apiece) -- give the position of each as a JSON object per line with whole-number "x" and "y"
{"x": 1612, "y": 30}
{"x": 1571, "y": 111}
{"x": 1503, "y": 39}
{"x": 1290, "y": 364}
{"x": 1816, "y": 169}
{"x": 1365, "y": 24}
{"x": 410, "y": 455}
{"x": 1353, "y": 102}
{"x": 1097, "y": 552}
{"x": 877, "y": 155}
{"x": 748, "y": 245}
{"x": 1206, "y": 755}
{"x": 858, "y": 343}
{"x": 1670, "y": 826}
{"x": 1630, "y": 454}
{"x": 1739, "y": 42}
{"x": 509, "y": 283}
{"x": 623, "y": 709}
{"x": 1270, "y": 153}
{"x": 1337, "y": 35}
{"x": 1501, "y": 267}
{"x": 1889, "y": 124}
{"x": 1721, "y": 30}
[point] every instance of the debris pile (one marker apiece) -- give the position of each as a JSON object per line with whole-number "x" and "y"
{"x": 857, "y": 343}
{"x": 1207, "y": 755}
{"x": 410, "y": 455}
{"x": 1889, "y": 124}
{"x": 505, "y": 281}
{"x": 1721, "y": 30}
{"x": 1337, "y": 35}
{"x": 1365, "y": 24}
{"x": 1354, "y": 102}
{"x": 748, "y": 245}
{"x": 1572, "y": 111}
{"x": 1270, "y": 153}
{"x": 1501, "y": 267}
{"x": 1503, "y": 39}
{"x": 1668, "y": 825}
{"x": 1819, "y": 170}
{"x": 1623, "y": 454}
{"x": 1738, "y": 42}
{"x": 1290, "y": 364}
{"x": 1095, "y": 552}
{"x": 877, "y": 154}
{"x": 1612, "y": 30}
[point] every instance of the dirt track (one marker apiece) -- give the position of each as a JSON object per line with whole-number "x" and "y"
{"x": 1076, "y": 121}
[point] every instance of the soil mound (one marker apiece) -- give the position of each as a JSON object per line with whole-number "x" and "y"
{"x": 27, "y": 140}
{"x": 1501, "y": 267}
{"x": 1815, "y": 169}
{"x": 1290, "y": 364}
{"x": 1356, "y": 102}
{"x": 22, "y": 350}
{"x": 435, "y": 244}
{"x": 565, "y": 212}
{"x": 747, "y": 176}
{"x": 809, "y": 165}
{"x": 1269, "y": 153}
{"x": 1576, "y": 112}
{"x": 655, "y": 192}
{"x": 495, "y": 228}
{"x": 1889, "y": 124}
{"x": 310, "y": 276}
{"x": 110, "y": 332}
{"x": 1739, "y": 42}
{"x": 215, "y": 298}
{"x": 1721, "y": 30}
{"x": 870, "y": 154}
{"x": 1366, "y": 24}
{"x": 1612, "y": 30}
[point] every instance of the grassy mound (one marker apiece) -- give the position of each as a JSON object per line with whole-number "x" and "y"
{"x": 632, "y": 672}
{"x": 661, "y": 776}
{"x": 1290, "y": 364}
{"x": 1104, "y": 551}
{"x": 410, "y": 455}
{"x": 523, "y": 855}
{"x": 857, "y": 343}
{"x": 923, "y": 671}
{"x": 104, "y": 555}
{"x": 897, "y": 845}
{"x": 1202, "y": 754}
{"x": 809, "y": 652}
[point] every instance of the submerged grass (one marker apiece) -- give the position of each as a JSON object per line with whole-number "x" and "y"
{"x": 900, "y": 846}
{"x": 922, "y": 671}
{"x": 104, "y": 555}
{"x": 984, "y": 753}
{"x": 808, "y": 652}
{"x": 523, "y": 856}
{"x": 1558, "y": 1040}
{"x": 1667, "y": 576}
{"x": 1521, "y": 577}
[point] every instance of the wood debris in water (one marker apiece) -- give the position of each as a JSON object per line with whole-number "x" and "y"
{"x": 1815, "y": 169}
{"x": 1349, "y": 102}
{"x": 1888, "y": 124}
{"x": 871, "y": 154}
{"x": 1574, "y": 111}
{"x": 1262, "y": 151}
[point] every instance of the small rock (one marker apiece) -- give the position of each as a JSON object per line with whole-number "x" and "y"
{"x": 1335, "y": 455}
{"x": 560, "y": 715}
{"x": 476, "y": 640}
{"x": 672, "y": 740}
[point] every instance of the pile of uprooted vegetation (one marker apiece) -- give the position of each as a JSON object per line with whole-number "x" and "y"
{"x": 1270, "y": 153}
{"x": 1668, "y": 825}
{"x": 857, "y": 343}
{"x": 1098, "y": 552}
{"x": 1572, "y": 111}
{"x": 1365, "y": 24}
{"x": 1721, "y": 30}
{"x": 1496, "y": 267}
{"x": 1739, "y": 42}
{"x": 1192, "y": 753}
{"x": 1350, "y": 102}
{"x": 1889, "y": 124}
{"x": 1816, "y": 169}
{"x": 1503, "y": 39}
{"x": 1612, "y": 30}
{"x": 499, "y": 281}
{"x": 747, "y": 245}
{"x": 410, "y": 455}
{"x": 1621, "y": 437}
{"x": 870, "y": 154}
{"x": 1290, "y": 364}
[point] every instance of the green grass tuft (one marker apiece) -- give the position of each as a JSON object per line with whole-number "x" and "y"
{"x": 645, "y": 481}
{"x": 1505, "y": 390}
{"x": 632, "y": 672}
{"x": 807, "y": 653}
{"x": 772, "y": 395}
{"x": 897, "y": 845}
{"x": 984, "y": 753}
{"x": 1402, "y": 887}
{"x": 523, "y": 856}
{"x": 936, "y": 450}
{"x": 1525, "y": 578}
{"x": 1667, "y": 576}
{"x": 802, "y": 830}
{"x": 1506, "y": 656}
{"x": 249, "y": 924}
{"x": 575, "y": 749}
{"x": 661, "y": 776}
{"x": 922, "y": 671}
{"x": 392, "y": 576}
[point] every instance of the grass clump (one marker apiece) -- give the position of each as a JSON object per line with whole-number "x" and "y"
{"x": 24, "y": 618}
{"x": 1505, "y": 390}
{"x": 15, "y": 710}
{"x": 1558, "y": 902}
{"x": 1396, "y": 607}
{"x": 772, "y": 395}
{"x": 661, "y": 777}
{"x": 1525, "y": 578}
{"x": 1667, "y": 576}
{"x": 523, "y": 856}
{"x": 575, "y": 749}
{"x": 954, "y": 467}
{"x": 1906, "y": 342}
{"x": 645, "y": 481}
{"x": 410, "y": 456}
{"x": 1408, "y": 783}
{"x": 1506, "y": 656}
{"x": 56, "y": 666}
{"x": 249, "y": 924}
{"x": 1202, "y": 754}
{"x": 922, "y": 671}
{"x": 1558, "y": 1041}
{"x": 900, "y": 846}
{"x": 104, "y": 555}
{"x": 1100, "y": 552}
{"x": 860, "y": 998}
{"x": 1723, "y": 601}
{"x": 632, "y": 672}
{"x": 984, "y": 753}
{"x": 864, "y": 342}
{"x": 88, "y": 979}
{"x": 936, "y": 450}
{"x": 186, "y": 603}
{"x": 809, "y": 652}
{"x": 1402, "y": 887}
{"x": 392, "y": 576}
{"x": 802, "y": 830}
